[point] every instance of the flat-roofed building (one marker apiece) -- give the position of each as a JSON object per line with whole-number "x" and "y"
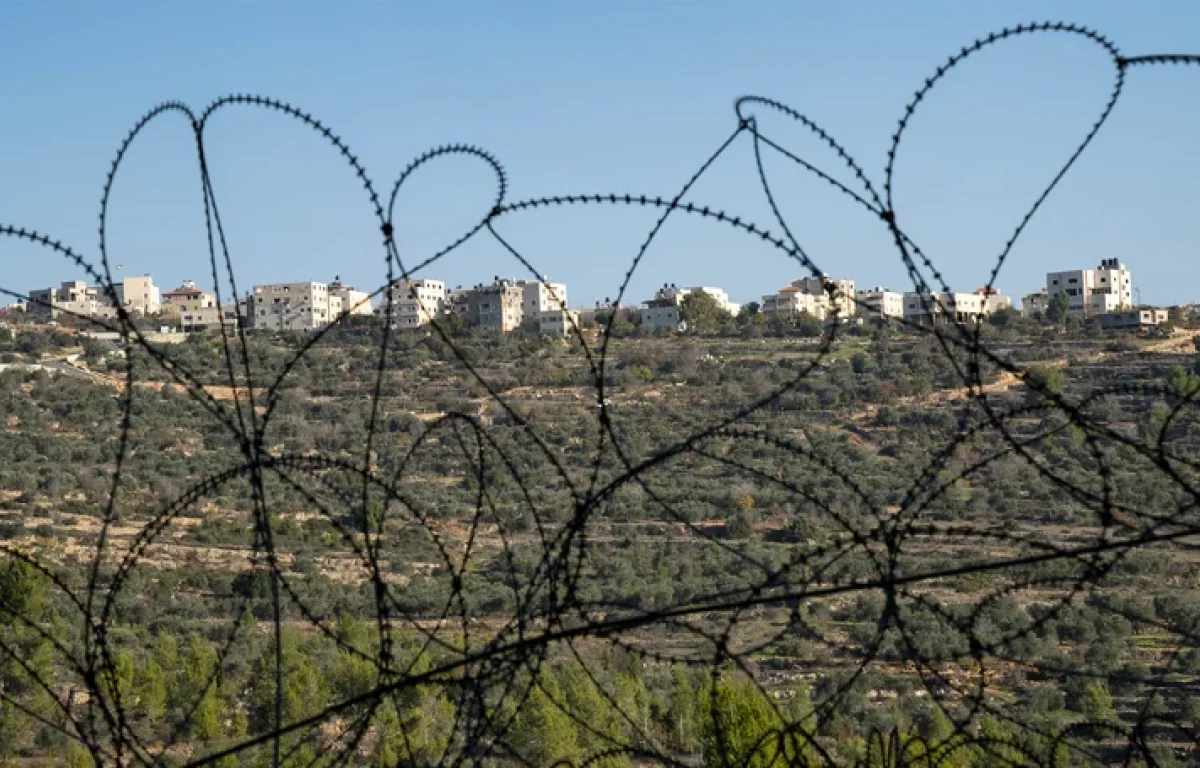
{"x": 74, "y": 298}
{"x": 1106, "y": 289}
{"x": 291, "y": 306}
{"x": 792, "y": 301}
{"x": 840, "y": 293}
{"x": 938, "y": 308}
{"x": 1142, "y": 319}
{"x": 879, "y": 302}
{"x": 353, "y": 302}
{"x": 558, "y": 323}
{"x": 497, "y": 307}
{"x": 415, "y": 302}
{"x": 139, "y": 295}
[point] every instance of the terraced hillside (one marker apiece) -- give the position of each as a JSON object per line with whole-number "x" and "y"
{"x": 875, "y": 543}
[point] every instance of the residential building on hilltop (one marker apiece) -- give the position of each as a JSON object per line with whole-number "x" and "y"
{"x": 792, "y": 301}
{"x": 352, "y": 302}
{"x": 497, "y": 307}
{"x": 542, "y": 296}
{"x": 292, "y": 306}
{"x": 993, "y": 300}
{"x": 415, "y": 302}
{"x": 1106, "y": 289}
{"x": 939, "y": 308}
{"x": 74, "y": 297}
{"x": 558, "y": 323}
{"x": 879, "y": 302}
{"x": 187, "y": 297}
{"x": 659, "y": 314}
{"x": 1141, "y": 319}
{"x": 1034, "y": 304}
{"x": 662, "y": 311}
{"x": 839, "y": 292}
{"x": 195, "y": 309}
{"x": 139, "y": 295}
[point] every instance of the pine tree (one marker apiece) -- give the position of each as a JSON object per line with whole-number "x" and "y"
{"x": 542, "y": 732}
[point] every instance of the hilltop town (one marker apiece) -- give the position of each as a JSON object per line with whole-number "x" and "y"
{"x": 1103, "y": 295}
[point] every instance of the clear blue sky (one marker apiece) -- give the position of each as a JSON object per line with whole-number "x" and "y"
{"x": 578, "y": 97}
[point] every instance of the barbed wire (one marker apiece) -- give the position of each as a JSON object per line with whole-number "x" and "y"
{"x": 491, "y": 666}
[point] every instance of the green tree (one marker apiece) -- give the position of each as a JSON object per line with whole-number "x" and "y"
{"x": 702, "y": 313}
{"x": 997, "y": 746}
{"x": 682, "y": 713}
{"x": 117, "y": 681}
{"x": 305, "y": 690}
{"x": 542, "y": 732}
{"x": 739, "y": 726}
{"x": 26, "y": 666}
{"x": 1041, "y": 378}
{"x": 1057, "y": 308}
{"x": 750, "y": 314}
{"x": 150, "y": 691}
{"x": 600, "y": 727}
{"x": 1096, "y": 704}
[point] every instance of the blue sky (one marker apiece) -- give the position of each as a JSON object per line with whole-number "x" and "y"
{"x": 585, "y": 98}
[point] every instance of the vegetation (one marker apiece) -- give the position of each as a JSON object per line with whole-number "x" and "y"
{"x": 841, "y": 435}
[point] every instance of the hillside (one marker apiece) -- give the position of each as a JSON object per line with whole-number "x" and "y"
{"x": 876, "y": 544}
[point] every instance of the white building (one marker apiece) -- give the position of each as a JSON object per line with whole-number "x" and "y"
{"x": 139, "y": 295}
{"x": 1106, "y": 289}
{"x": 542, "y": 296}
{"x": 792, "y": 301}
{"x": 415, "y": 302}
{"x": 74, "y": 297}
{"x": 993, "y": 300}
{"x": 558, "y": 323}
{"x": 353, "y": 302}
{"x": 937, "y": 308}
{"x": 663, "y": 310}
{"x": 879, "y": 302}
{"x": 292, "y": 306}
{"x": 840, "y": 293}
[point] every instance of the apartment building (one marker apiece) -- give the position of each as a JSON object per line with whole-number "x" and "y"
{"x": 792, "y": 301}
{"x": 661, "y": 314}
{"x": 662, "y": 311}
{"x": 939, "y": 308}
{"x": 558, "y": 323}
{"x": 840, "y": 293}
{"x": 458, "y": 302}
{"x": 497, "y": 307}
{"x": 542, "y": 296}
{"x": 1143, "y": 319}
{"x": 352, "y": 302}
{"x": 195, "y": 309}
{"x": 993, "y": 300}
{"x": 1034, "y": 304}
{"x": 879, "y": 302}
{"x": 416, "y": 302}
{"x": 292, "y": 306}
{"x": 74, "y": 297}
{"x": 139, "y": 295}
{"x": 186, "y": 298}
{"x": 1103, "y": 290}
